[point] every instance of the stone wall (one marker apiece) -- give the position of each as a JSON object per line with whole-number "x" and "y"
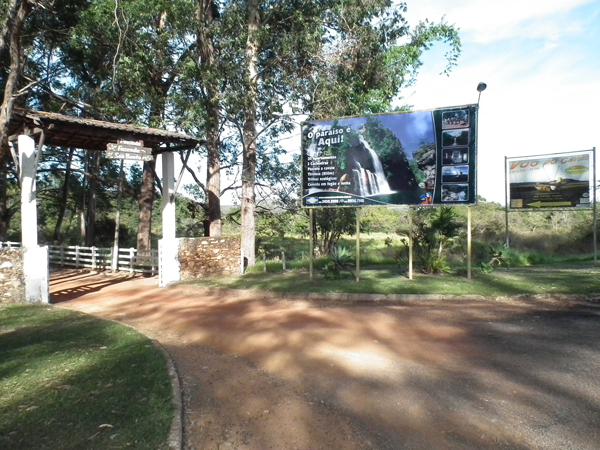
{"x": 12, "y": 278}
{"x": 202, "y": 257}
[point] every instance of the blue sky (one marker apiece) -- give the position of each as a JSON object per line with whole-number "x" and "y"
{"x": 541, "y": 62}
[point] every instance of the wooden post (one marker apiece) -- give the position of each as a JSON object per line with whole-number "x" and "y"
{"x": 410, "y": 243}
{"x": 469, "y": 253}
{"x": 595, "y": 211}
{"x": 311, "y": 251}
{"x": 131, "y": 258}
{"x": 357, "y": 244}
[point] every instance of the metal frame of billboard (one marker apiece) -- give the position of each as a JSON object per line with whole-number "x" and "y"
{"x": 555, "y": 181}
{"x": 430, "y": 159}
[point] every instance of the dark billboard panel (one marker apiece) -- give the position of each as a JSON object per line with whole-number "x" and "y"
{"x": 407, "y": 158}
{"x": 551, "y": 181}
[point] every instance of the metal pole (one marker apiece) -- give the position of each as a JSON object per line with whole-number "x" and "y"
{"x": 311, "y": 251}
{"x": 410, "y": 243}
{"x": 595, "y": 211}
{"x": 469, "y": 253}
{"x": 357, "y": 244}
{"x": 506, "y": 187}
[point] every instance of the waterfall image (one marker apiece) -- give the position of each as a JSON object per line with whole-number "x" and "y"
{"x": 377, "y": 181}
{"x": 364, "y": 165}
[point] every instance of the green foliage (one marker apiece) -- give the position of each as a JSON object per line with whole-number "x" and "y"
{"x": 65, "y": 373}
{"x": 433, "y": 231}
{"x": 496, "y": 259}
{"x": 329, "y": 225}
{"x": 341, "y": 261}
{"x": 572, "y": 278}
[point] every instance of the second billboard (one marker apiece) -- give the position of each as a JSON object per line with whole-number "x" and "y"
{"x": 551, "y": 181}
{"x": 408, "y": 158}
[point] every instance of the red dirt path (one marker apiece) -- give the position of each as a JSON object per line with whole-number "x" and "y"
{"x": 260, "y": 373}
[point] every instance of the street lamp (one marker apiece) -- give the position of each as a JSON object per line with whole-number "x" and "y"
{"x": 480, "y": 88}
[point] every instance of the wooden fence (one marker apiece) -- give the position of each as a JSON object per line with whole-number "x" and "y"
{"x": 98, "y": 258}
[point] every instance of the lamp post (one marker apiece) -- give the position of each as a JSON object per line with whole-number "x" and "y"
{"x": 480, "y": 88}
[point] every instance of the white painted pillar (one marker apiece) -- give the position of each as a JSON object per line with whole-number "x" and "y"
{"x": 168, "y": 246}
{"x": 168, "y": 201}
{"x": 29, "y": 233}
{"x": 35, "y": 258}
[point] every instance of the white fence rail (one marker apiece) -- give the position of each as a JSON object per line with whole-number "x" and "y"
{"x": 9, "y": 244}
{"x": 98, "y": 258}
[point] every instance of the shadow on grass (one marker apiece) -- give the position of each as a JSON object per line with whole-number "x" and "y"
{"x": 71, "y": 381}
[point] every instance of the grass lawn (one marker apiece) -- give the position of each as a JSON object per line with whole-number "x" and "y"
{"x": 567, "y": 278}
{"x": 71, "y": 381}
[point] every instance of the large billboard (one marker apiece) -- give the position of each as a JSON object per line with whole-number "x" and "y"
{"x": 550, "y": 181}
{"x": 406, "y": 158}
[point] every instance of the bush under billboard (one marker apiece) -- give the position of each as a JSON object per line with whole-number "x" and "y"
{"x": 550, "y": 181}
{"x": 406, "y": 158}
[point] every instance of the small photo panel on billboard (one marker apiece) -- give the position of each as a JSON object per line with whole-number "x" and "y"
{"x": 455, "y": 192}
{"x": 455, "y": 119}
{"x": 451, "y": 138}
{"x": 455, "y": 156}
{"x": 455, "y": 174}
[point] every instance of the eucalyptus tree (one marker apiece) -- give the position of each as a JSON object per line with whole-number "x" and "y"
{"x": 197, "y": 103}
{"x": 323, "y": 58}
{"x": 124, "y": 58}
{"x": 31, "y": 33}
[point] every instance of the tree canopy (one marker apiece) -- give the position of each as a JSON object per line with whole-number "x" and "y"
{"x": 236, "y": 73}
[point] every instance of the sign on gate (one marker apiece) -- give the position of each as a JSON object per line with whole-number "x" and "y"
{"x": 129, "y": 150}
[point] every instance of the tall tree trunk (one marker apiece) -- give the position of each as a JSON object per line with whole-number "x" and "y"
{"x": 249, "y": 137}
{"x": 10, "y": 18}
{"x": 84, "y": 184}
{"x": 205, "y": 17}
{"x": 12, "y": 39}
{"x": 146, "y": 199}
{"x": 64, "y": 198}
{"x": 90, "y": 232}
{"x": 5, "y": 214}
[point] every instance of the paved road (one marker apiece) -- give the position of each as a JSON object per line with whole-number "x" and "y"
{"x": 263, "y": 373}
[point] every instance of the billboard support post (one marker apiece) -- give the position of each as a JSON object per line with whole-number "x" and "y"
{"x": 506, "y": 200}
{"x": 469, "y": 253}
{"x": 595, "y": 210}
{"x": 410, "y": 243}
{"x": 311, "y": 245}
{"x": 358, "y": 211}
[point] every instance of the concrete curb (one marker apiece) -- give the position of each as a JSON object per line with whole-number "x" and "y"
{"x": 392, "y": 298}
{"x": 175, "y": 440}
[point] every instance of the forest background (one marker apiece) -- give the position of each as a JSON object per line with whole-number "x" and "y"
{"x": 237, "y": 75}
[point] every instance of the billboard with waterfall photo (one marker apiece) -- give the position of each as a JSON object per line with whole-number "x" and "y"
{"x": 405, "y": 158}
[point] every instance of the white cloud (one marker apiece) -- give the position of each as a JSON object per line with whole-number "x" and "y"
{"x": 485, "y": 21}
